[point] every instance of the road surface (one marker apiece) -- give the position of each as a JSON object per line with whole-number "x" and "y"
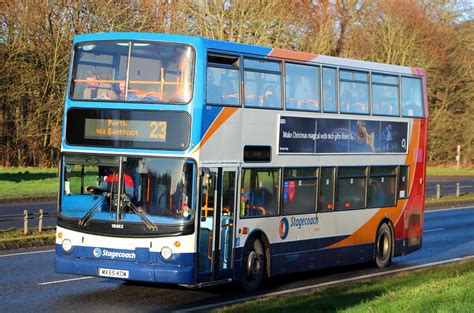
{"x": 28, "y": 282}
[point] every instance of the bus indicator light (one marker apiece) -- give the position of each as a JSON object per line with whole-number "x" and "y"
{"x": 244, "y": 230}
{"x": 347, "y": 205}
{"x": 177, "y": 244}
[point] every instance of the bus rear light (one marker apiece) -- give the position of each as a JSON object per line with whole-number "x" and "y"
{"x": 347, "y": 205}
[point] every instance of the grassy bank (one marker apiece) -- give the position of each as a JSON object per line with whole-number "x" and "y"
{"x": 442, "y": 289}
{"x": 28, "y": 183}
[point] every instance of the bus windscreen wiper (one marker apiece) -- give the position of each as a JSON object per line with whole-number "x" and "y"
{"x": 85, "y": 220}
{"x": 139, "y": 211}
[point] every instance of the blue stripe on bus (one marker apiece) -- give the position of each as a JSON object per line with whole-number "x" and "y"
{"x": 140, "y": 255}
{"x": 209, "y": 116}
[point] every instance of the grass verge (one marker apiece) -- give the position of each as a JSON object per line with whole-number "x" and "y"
{"x": 28, "y": 184}
{"x": 449, "y": 201}
{"x": 14, "y": 238}
{"x": 448, "y": 171}
{"x": 449, "y": 288}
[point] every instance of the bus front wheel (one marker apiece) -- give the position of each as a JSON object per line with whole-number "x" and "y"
{"x": 253, "y": 265}
{"x": 383, "y": 246}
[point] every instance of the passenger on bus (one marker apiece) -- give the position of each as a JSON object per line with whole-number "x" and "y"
{"x": 96, "y": 89}
{"x": 131, "y": 96}
{"x": 270, "y": 97}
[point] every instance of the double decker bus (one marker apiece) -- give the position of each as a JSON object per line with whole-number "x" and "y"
{"x": 194, "y": 161}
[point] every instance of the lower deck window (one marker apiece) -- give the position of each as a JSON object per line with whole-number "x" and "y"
{"x": 299, "y": 190}
{"x": 351, "y": 183}
{"x": 260, "y": 192}
{"x": 381, "y": 187}
{"x": 326, "y": 189}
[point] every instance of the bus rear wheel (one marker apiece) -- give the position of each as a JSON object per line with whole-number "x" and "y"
{"x": 383, "y": 246}
{"x": 253, "y": 265}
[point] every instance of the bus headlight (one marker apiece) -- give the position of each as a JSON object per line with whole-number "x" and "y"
{"x": 166, "y": 253}
{"x": 67, "y": 245}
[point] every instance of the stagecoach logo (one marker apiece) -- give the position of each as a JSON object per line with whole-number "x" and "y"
{"x": 97, "y": 252}
{"x": 284, "y": 227}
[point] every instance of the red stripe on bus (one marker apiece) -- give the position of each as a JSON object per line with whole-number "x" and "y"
{"x": 292, "y": 55}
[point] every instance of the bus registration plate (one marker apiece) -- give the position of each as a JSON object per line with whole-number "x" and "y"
{"x": 108, "y": 272}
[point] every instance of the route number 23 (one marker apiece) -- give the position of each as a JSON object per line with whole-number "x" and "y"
{"x": 158, "y": 130}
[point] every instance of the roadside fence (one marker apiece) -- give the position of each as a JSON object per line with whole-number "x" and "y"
{"x": 26, "y": 217}
{"x": 458, "y": 190}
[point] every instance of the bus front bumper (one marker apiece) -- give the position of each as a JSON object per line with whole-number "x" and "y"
{"x": 169, "y": 273}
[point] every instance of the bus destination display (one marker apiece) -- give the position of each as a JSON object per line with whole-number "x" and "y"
{"x": 130, "y": 129}
{"x": 110, "y": 129}
{"x": 322, "y": 135}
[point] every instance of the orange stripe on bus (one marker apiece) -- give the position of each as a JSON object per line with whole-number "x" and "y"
{"x": 292, "y": 55}
{"x": 221, "y": 118}
{"x": 366, "y": 233}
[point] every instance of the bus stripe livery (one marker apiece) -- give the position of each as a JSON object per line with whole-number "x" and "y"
{"x": 192, "y": 161}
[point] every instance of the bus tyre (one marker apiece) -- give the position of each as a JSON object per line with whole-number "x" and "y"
{"x": 253, "y": 265}
{"x": 383, "y": 246}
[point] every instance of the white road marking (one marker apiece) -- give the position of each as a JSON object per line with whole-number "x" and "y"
{"x": 432, "y": 230}
{"x": 25, "y": 253}
{"x": 64, "y": 280}
{"x": 336, "y": 282}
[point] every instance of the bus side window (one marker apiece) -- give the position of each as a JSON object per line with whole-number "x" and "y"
{"x": 260, "y": 192}
{"x": 223, "y": 81}
{"x": 412, "y": 97}
{"x": 351, "y": 183}
{"x": 403, "y": 183}
{"x": 353, "y": 92}
{"x": 326, "y": 189}
{"x": 302, "y": 87}
{"x": 381, "y": 186}
{"x": 385, "y": 94}
{"x": 329, "y": 90}
{"x": 262, "y": 81}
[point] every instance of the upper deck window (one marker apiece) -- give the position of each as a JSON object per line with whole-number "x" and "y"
{"x": 302, "y": 87}
{"x": 223, "y": 80}
{"x": 132, "y": 72}
{"x": 262, "y": 81}
{"x": 385, "y": 95}
{"x": 354, "y": 92}
{"x": 329, "y": 90}
{"x": 412, "y": 97}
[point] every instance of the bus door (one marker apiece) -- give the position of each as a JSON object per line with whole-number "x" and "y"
{"x": 216, "y": 223}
